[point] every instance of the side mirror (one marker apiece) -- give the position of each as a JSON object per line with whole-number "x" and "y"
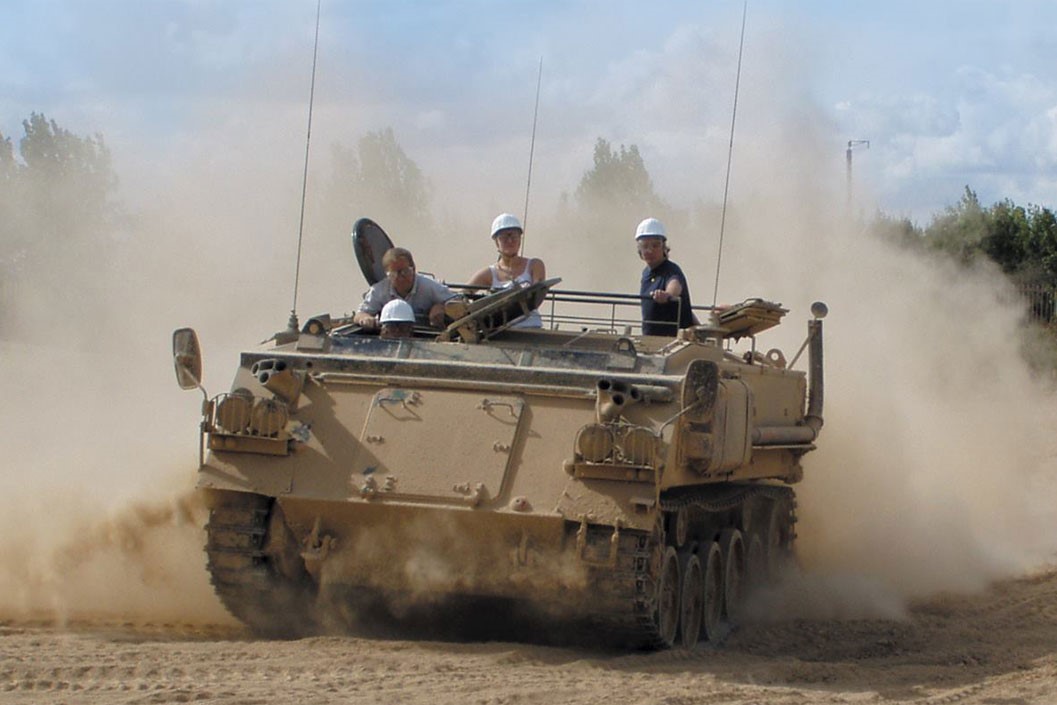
{"x": 187, "y": 358}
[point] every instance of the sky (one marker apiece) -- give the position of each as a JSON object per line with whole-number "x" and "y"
{"x": 948, "y": 94}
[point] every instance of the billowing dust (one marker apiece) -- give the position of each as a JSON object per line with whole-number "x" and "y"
{"x": 425, "y": 569}
{"x": 430, "y": 554}
{"x": 65, "y": 560}
{"x": 935, "y": 469}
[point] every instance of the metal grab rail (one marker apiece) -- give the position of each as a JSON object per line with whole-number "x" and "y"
{"x": 610, "y": 300}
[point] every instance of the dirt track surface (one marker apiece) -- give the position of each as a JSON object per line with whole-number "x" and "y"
{"x": 998, "y": 648}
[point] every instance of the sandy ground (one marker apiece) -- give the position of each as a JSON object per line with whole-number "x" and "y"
{"x": 998, "y": 648}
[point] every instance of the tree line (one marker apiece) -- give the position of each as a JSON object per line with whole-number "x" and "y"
{"x": 58, "y": 216}
{"x": 59, "y": 189}
{"x": 1021, "y": 240}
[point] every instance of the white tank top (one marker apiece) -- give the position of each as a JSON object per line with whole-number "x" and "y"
{"x": 529, "y": 320}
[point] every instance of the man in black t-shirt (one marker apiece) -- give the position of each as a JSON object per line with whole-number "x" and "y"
{"x": 666, "y": 295}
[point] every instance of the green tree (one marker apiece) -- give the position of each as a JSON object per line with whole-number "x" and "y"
{"x": 68, "y": 179}
{"x": 8, "y": 166}
{"x": 618, "y": 179}
{"x": 8, "y": 196}
{"x": 616, "y": 193}
{"x": 378, "y": 180}
{"x": 960, "y": 228}
{"x": 1007, "y": 240}
{"x": 899, "y": 231}
{"x": 616, "y": 174}
{"x": 1022, "y": 241}
{"x": 56, "y": 213}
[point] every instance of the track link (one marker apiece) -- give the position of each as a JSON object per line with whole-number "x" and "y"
{"x": 246, "y": 579}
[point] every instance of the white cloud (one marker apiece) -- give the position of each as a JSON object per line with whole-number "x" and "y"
{"x": 993, "y": 131}
{"x": 453, "y": 80}
{"x": 430, "y": 119}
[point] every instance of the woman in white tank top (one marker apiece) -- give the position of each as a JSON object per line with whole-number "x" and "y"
{"x": 511, "y": 268}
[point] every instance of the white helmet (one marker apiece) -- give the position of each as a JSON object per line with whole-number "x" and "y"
{"x": 397, "y": 311}
{"x": 651, "y": 227}
{"x": 505, "y": 221}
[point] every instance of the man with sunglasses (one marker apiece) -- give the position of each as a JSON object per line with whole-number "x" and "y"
{"x": 425, "y": 295}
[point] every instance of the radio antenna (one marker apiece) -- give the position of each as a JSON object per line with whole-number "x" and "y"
{"x": 532, "y": 151}
{"x": 730, "y": 153}
{"x": 293, "y": 325}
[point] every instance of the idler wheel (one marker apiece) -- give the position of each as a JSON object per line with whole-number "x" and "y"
{"x": 692, "y": 601}
{"x": 712, "y": 616}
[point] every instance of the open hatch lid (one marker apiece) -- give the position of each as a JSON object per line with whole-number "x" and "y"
{"x": 751, "y": 317}
{"x": 370, "y": 242}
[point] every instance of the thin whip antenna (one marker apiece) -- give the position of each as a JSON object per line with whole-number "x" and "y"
{"x": 730, "y": 153}
{"x": 304, "y": 180}
{"x": 532, "y": 151}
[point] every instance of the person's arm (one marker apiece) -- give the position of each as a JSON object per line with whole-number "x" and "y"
{"x": 672, "y": 290}
{"x": 483, "y": 278}
{"x": 537, "y": 270}
{"x": 438, "y": 295}
{"x": 367, "y": 320}
{"x": 367, "y": 315}
{"x": 436, "y": 315}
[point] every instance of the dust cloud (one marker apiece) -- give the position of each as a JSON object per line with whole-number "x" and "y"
{"x": 143, "y": 562}
{"x": 418, "y": 568}
{"x": 100, "y": 443}
{"x": 935, "y": 470}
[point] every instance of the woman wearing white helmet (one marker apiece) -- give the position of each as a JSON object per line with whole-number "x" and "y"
{"x": 665, "y": 293}
{"x": 511, "y": 269}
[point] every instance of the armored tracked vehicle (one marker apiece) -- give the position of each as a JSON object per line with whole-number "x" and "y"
{"x": 632, "y": 485}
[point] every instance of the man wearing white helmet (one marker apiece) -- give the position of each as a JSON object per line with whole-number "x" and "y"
{"x": 511, "y": 269}
{"x": 397, "y": 320}
{"x": 665, "y": 293}
{"x": 425, "y": 295}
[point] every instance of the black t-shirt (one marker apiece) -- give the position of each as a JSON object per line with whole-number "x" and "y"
{"x": 666, "y": 318}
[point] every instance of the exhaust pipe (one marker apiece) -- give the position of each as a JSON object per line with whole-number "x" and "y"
{"x": 613, "y": 397}
{"x": 783, "y": 435}
{"x": 279, "y": 379}
{"x": 813, "y": 417}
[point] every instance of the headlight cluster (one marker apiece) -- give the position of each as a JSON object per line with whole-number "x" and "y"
{"x": 623, "y": 443}
{"x": 239, "y": 413}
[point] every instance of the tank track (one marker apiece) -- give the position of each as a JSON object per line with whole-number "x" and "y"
{"x": 621, "y": 601}
{"x": 711, "y": 500}
{"x": 245, "y": 578}
{"x": 624, "y": 596}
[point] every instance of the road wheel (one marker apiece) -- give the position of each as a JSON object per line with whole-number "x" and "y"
{"x": 755, "y": 562}
{"x": 692, "y": 601}
{"x": 777, "y": 538}
{"x": 734, "y": 567}
{"x": 666, "y": 612}
{"x": 681, "y": 526}
{"x": 712, "y": 614}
